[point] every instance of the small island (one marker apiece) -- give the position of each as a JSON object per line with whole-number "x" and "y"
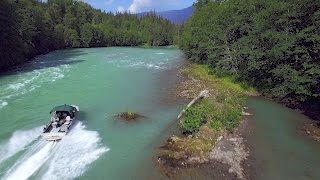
{"x": 129, "y": 116}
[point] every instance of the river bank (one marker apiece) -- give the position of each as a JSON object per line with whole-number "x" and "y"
{"x": 215, "y": 145}
{"x": 268, "y": 142}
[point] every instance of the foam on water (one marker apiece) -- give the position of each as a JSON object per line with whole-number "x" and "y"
{"x": 3, "y": 104}
{"x": 16, "y": 86}
{"x": 30, "y": 81}
{"x": 76, "y": 151}
{"x": 18, "y": 142}
{"x": 139, "y": 64}
{"x": 158, "y": 65}
{"x": 122, "y": 60}
{"x": 67, "y": 159}
{"x": 31, "y": 164}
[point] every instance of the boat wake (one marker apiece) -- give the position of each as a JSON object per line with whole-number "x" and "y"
{"x": 18, "y": 142}
{"x": 30, "y": 163}
{"x": 75, "y": 153}
{"x": 66, "y": 159}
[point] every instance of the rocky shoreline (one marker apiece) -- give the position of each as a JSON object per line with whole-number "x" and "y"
{"x": 227, "y": 159}
{"x": 311, "y": 130}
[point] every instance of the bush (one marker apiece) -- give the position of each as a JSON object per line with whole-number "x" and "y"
{"x": 231, "y": 118}
{"x": 193, "y": 118}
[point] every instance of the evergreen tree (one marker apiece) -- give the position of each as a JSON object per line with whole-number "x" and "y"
{"x": 274, "y": 45}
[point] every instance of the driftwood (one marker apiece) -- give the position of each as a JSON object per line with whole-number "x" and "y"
{"x": 202, "y": 95}
{"x": 245, "y": 113}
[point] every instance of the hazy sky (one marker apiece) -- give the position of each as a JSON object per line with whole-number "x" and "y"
{"x": 135, "y": 6}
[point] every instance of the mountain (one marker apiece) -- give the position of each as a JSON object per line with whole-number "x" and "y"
{"x": 174, "y": 16}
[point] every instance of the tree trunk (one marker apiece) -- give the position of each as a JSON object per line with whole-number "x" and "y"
{"x": 202, "y": 95}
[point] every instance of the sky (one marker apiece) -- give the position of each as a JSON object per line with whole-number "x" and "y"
{"x": 136, "y": 6}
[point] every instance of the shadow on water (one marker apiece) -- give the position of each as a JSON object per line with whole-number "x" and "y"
{"x": 52, "y": 59}
{"x": 277, "y": 149}
{"x": 82, "y": 116}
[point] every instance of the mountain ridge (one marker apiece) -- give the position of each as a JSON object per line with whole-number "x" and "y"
{"x": 175, "y": 16}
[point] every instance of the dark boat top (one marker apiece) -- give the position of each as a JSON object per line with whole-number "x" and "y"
{"x": 64, "y": 108}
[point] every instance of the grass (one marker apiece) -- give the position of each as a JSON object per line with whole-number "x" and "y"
{"x": 222, "y": 110}
{"x": 187, "y": 147}
{"x": 209, "y": 118}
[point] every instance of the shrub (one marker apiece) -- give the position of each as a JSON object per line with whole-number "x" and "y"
{"x": 231, "y": 118}
{"x": 193, "y": 118}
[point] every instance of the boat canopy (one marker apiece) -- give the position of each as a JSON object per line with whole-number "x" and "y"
{"x": 65, "y": 107}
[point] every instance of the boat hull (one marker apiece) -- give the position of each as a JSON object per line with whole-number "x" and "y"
{"x": 53, "y": 136}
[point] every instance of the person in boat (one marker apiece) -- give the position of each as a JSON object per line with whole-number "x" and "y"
{"x": 58, "y": 116}
{"x": 63, "y": 119}
{"x": 71, "y": 114}
{"x": 68, "y": 119}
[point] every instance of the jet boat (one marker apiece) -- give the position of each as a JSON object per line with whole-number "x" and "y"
{"x": 61, "y": 121}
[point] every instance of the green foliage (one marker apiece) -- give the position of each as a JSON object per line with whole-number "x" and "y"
{"x": 32, "y": 27}
{"x": 216, "y": 125}
{"x": 230, "y": 117}
{"x": 10, "y": 36}
{"x": 272, "y": 44}
{"x": 225, "y": 115}
{"x": 194, "y": 117}
{"x": 222, "y": 110}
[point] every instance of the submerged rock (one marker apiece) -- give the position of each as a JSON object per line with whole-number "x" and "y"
{"x": 312, "y": 130}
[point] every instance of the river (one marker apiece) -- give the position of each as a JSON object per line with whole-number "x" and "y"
{"x": 102, "y": 82}
{"x": 278, "y": 148}
{"x": 106, "y": 81}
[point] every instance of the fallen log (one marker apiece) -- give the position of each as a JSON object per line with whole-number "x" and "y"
{"x": 202, "y": 95}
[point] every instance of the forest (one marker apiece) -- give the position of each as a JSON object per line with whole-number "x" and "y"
{"x": 273, "y": 45}
{"x": 32, "y": 27}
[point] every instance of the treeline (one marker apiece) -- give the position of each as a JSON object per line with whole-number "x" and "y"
{"x": 33, "y": 27}
{"x": 273, "y": 44}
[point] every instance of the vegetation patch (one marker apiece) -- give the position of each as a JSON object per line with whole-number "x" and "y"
{"x": 186, "y": 147}
{"x": 208, "y": 120}
{"x": 222, "y": 110}
{"x": 128, "y": 116}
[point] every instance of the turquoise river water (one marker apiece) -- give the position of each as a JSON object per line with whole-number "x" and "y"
{"x": 279, "y": 150}
{"x": 104, "y": 82}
